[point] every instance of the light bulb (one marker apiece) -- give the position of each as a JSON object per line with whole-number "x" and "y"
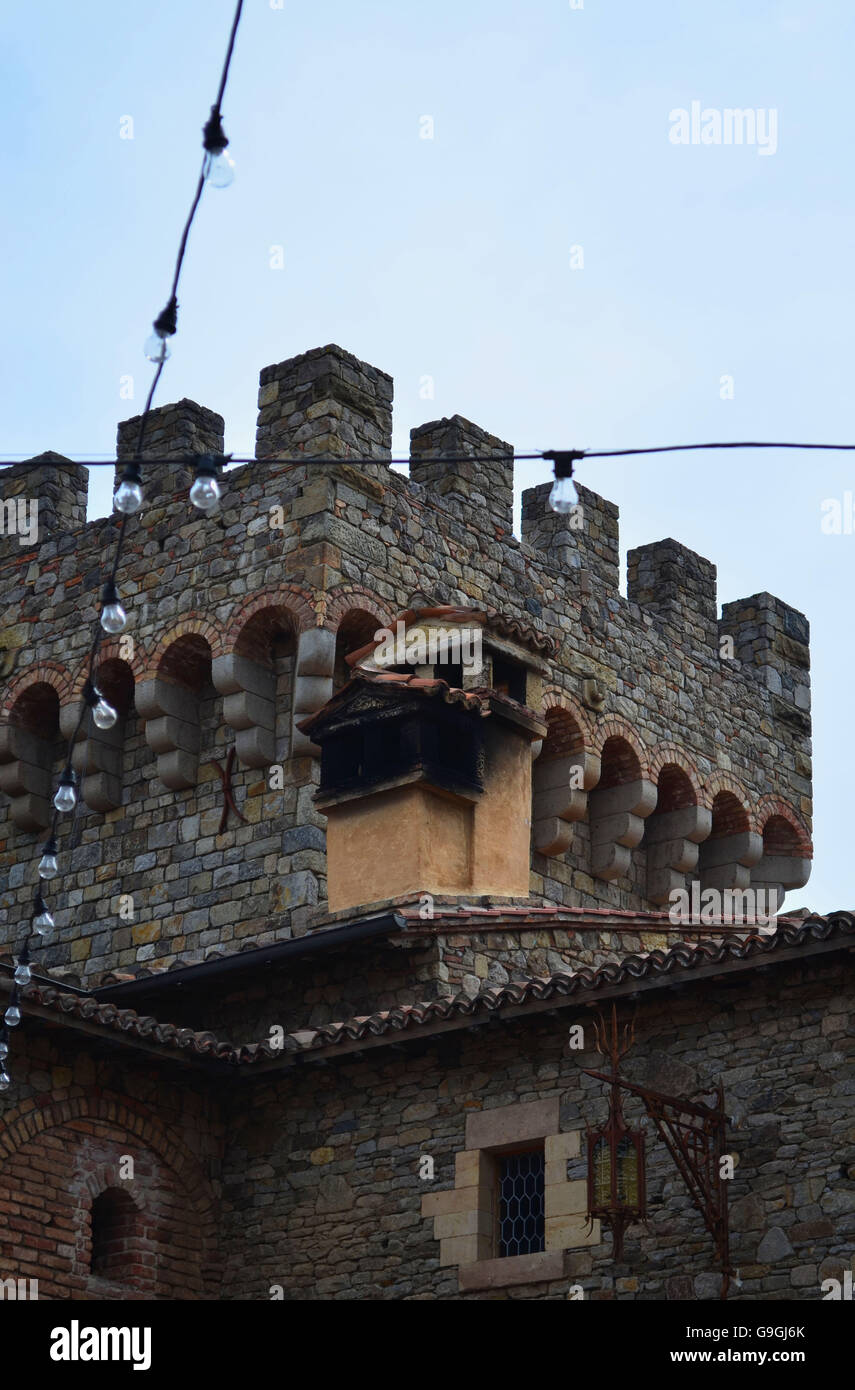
{"x": 103, "y": 714}
{"x": 4, "y": 1048}
{"x": 66, "y": 796}
{"x": 43, "y": 924}
{"x": 5, "y": 1081}
{"x": 220, "y": 170}
{"x": 563, "y": 497}
{"x": 12, "y": 1016}
{"x": 48, "y": 866}
{"x": 113, "y": 618}
{"x": 113, "y": 615}
{"x": 156, "y": 348}
{"x": 205, "y": 493}
{"x": 23, "y": 974}
{"x": 128, "y": 497}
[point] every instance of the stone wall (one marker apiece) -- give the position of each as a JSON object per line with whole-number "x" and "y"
{"x": 237, "y": 621}
{"x": 337, "y": 1211}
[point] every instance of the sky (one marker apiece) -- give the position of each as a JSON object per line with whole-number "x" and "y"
{"x": 551, "y": 264}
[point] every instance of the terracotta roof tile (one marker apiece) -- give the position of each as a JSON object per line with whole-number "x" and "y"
{"x": 678, "y": 960}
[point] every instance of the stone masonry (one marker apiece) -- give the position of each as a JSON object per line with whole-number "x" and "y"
{"x": 692, "y": 728}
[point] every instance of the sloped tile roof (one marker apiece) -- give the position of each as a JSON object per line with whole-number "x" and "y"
{"x": 679, "y": 961}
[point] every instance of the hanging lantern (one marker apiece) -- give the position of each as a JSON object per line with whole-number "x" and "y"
{"x": 616, "y": 1186}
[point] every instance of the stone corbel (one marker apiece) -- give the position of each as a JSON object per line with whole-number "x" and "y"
{"x": 249, "y": 706}
{"x": 96, "y": 758}
{"x": 171, "y": 714}
{"x": 727, "y": 862}
{"x": 672, "y": 841}
{"x": 558, "y": 801}
{"x": 313, "y": 684}
{"x": 782, "y": 873}
{"x": 25, "y": 776}
{"x": 617, "y": 816}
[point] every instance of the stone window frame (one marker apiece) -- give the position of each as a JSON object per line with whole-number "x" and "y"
{"x": 466, "y": 1217}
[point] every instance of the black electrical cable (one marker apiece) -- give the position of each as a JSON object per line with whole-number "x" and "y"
{"x": 165, "y": 324}
{"x": 578, "y": 455}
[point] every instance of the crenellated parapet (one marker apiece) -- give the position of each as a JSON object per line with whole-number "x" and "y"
{"x": 676, "y": 744}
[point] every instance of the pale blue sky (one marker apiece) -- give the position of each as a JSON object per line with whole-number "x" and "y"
{"x": 451, "y": 258}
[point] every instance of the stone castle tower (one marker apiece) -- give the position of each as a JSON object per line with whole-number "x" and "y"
{"x": 675, "y": 743}
{"x": 296, "y": 855}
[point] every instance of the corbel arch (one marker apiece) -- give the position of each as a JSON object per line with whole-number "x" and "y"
{"x": 30, "y": 742}
{"x": 563, "y": 773}
{"x": 169, "y": 699}
{"x": 785, "y": 863}
{"x": 620, "y": 802}
{"x": 677, "y": 825}
{"x": 733, "y": 846}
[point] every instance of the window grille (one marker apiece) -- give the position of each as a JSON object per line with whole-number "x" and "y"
{"x": 521, "y": 1203}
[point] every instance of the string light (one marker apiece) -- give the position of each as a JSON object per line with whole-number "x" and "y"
{"x": 113, "y": 615}
{"x": 128, "y": 496}
{"x": 205, "y": 492}
{"x": 219, "y": 167}
{"x": 48, "y": 864}
{"x": 103, "y": 714}
{"x": 66, "y": 795}
{"x": 218, "y": 170}
{"x": 563, "y": 497}
{"x": 42, "y": 921}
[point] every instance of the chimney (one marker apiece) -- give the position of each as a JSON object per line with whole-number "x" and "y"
{"x": 426, "y": 789}
{"x": 171, "y": 432}
{"x": 325, "y": 404}
{"x": 484, "y": 489}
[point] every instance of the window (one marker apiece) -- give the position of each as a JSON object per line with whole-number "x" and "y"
{"x": 509, "y": 678}
{"x": 114, "y": 1234}
{"x": 521, "y": 1203}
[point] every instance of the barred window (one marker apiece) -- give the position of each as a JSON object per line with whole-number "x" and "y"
{"x": 521, "y": 1203}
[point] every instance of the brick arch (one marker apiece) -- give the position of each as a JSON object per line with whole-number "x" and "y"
{"x": 347, "y": 597}
{"x": 43, "y": 673}
{"x": 108, "y": 1177}
{"x": 299, "y": 603}
{"x": 725, "y": 782}
{"x": 28, "y": 1120}
{"x": 673, "y": 755}
{"x": 770, "y": 806}
{"x": 556, "y": 699}
{"x": 613, "y": 727}
{"x": 110, "y": 649}
{"x": 196, "y": 627}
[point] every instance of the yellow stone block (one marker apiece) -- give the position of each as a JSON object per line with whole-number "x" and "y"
{"x": 566, "y": 1198}
{"x": 467, "y": 1168}
{"x": 319, "y": 1156}
{"x": 464, "y": 1250}
{"x": 62, "y": 1077}
{"x": 570, "y": 1232}
{"x": 458, "y": 1199}
{"x": 81, "y": 948}
{"x": 463, "y": 1223}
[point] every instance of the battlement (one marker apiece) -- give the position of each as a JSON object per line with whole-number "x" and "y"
{"x": 677, "y": 741}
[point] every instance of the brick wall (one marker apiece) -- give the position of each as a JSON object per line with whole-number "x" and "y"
{"x": 67, "y": 1134}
